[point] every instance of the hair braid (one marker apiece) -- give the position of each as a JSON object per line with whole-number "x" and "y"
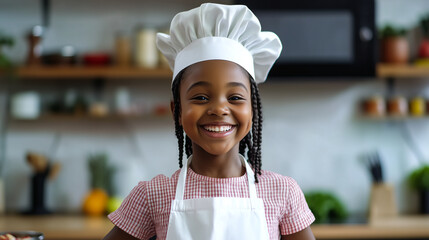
{"x": 176, "y": 112}
{"x": 256, "y": 130}
{"x": 252, "y": 141}
{"x": 188, "y": 146}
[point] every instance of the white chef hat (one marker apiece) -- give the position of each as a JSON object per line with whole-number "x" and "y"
{"x": 219, "y": 32}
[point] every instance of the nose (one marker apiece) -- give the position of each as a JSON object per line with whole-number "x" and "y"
{"x": 218, "y": 108}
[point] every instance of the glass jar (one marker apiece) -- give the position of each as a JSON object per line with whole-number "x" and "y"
{"x": 397, "y": 106}
{"x": 146, "y": 51}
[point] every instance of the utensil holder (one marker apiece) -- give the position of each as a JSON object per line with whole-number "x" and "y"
{"x": 382, "y": 202}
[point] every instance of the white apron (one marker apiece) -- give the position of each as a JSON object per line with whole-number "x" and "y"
{"x": 218, "y": 218}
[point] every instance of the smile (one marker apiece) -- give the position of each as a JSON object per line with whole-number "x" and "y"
{"x": 218, "y": 129}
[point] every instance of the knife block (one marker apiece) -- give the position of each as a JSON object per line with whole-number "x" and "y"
{"x": 382, "y": 202}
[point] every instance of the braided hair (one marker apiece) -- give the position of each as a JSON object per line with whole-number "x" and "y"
{"x": 250, "y": 143}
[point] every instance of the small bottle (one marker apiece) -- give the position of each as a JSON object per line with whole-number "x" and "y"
{"x": 417, "y": 106}
{"x": 35, "y": 45}
{"x": 122, "y": 101}
{"x": 398, "y": 106}
{"x": 146, "y": 51}
{"x": 122, "y": 50}
{"x": 375, "y": 106}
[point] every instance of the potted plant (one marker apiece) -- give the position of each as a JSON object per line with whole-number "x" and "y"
{"x": 326, "y": 207}
{"x": 394, "y": 45}
{"x": 419, "y": 180}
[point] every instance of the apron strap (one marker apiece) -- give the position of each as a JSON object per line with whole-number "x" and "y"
{"x": 250, "y": 179}
{"x": 180, "y": 189}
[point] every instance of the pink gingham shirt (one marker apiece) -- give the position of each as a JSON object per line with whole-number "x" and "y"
{"x": 145, "y": 211}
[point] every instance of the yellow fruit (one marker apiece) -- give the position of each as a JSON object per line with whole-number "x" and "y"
{"x": 95, "y": 202}
{"x": 113, "y": 203}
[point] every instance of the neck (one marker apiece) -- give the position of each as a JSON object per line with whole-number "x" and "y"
{"x": 217, "y": 166}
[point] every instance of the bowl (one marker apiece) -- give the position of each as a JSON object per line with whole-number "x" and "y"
{"x": 28, "y": 235}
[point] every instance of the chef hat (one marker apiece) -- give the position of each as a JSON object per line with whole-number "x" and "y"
{"x": 219, "y": 32}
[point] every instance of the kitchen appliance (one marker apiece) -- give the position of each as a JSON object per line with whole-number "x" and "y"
{"x": 320, "y": 38}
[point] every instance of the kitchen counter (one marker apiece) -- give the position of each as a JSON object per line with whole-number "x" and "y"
{"x": 63, "y": 227}
{"x": 403, "y": 227}
{"x": 59, "y": 226}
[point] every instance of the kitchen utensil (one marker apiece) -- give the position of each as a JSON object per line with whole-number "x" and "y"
{"x": 35, "y": 46}
{"x": 375, "y": 167}
{"x": 43, "y": 169}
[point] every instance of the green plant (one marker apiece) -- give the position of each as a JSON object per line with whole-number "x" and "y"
{"x": 424, "y": 24}
{"x": 419, "y": 178}
{"x": 326, "y": 207}
{"x": 391, "y": 31}
{"x": 101, "y": 172}
{"x": 7, "y": 41}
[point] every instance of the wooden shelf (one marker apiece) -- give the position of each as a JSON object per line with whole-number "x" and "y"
{"x": 65, "y": 72}
{"x": 393, "y": 118}
{"x": 87, "y": 117}
{"x": 402, "y": 71}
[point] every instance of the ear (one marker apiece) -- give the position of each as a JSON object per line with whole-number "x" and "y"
{"x": 172, "y": 111}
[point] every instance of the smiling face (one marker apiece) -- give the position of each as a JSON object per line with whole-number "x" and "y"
{"x": 216, "y": 106}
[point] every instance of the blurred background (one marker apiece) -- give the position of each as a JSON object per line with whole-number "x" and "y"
{"x": 83, "y": 88}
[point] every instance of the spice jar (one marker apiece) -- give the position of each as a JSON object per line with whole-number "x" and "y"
{"x": 397, "y": 106}
{"x": 35, "y": 45}
{"x": 146, "y": 51}
{"x": 122, "y": 50}
{"x": 417, "y": 107}
{"x": 375, "y": 106}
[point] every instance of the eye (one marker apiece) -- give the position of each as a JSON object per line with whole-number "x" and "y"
{"x": 200, "y": 98}
{"x": 236, "y": 98}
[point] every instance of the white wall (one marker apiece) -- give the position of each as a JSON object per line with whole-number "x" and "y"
{"x": 312, "y": 131}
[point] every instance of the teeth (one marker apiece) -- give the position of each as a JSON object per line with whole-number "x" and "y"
{"x": 218, "y": 128}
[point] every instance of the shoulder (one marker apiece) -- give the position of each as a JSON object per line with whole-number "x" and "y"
{"x": 161, "y": 180}
{"x": 272, "y": 177}
{"x": 281, "y": 185}
{"x": 160, "y": 183}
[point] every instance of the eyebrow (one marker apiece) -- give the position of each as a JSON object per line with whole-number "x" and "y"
{"x": 238, "y": 84}
{"x": 200, "y": 83}
{"x": 231, "y": 84}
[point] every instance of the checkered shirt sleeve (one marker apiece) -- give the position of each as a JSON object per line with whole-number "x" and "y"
{"x": 133, "y": 216}
{"x": 296, "y": 216}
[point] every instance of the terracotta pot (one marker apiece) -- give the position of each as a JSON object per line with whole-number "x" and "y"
{"x": 395, "y": 50}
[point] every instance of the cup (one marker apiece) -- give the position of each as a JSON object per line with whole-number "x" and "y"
{"x": 25, "y": 105}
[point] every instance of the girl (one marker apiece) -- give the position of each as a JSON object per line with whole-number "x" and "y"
{"x": 218, "y": 55}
